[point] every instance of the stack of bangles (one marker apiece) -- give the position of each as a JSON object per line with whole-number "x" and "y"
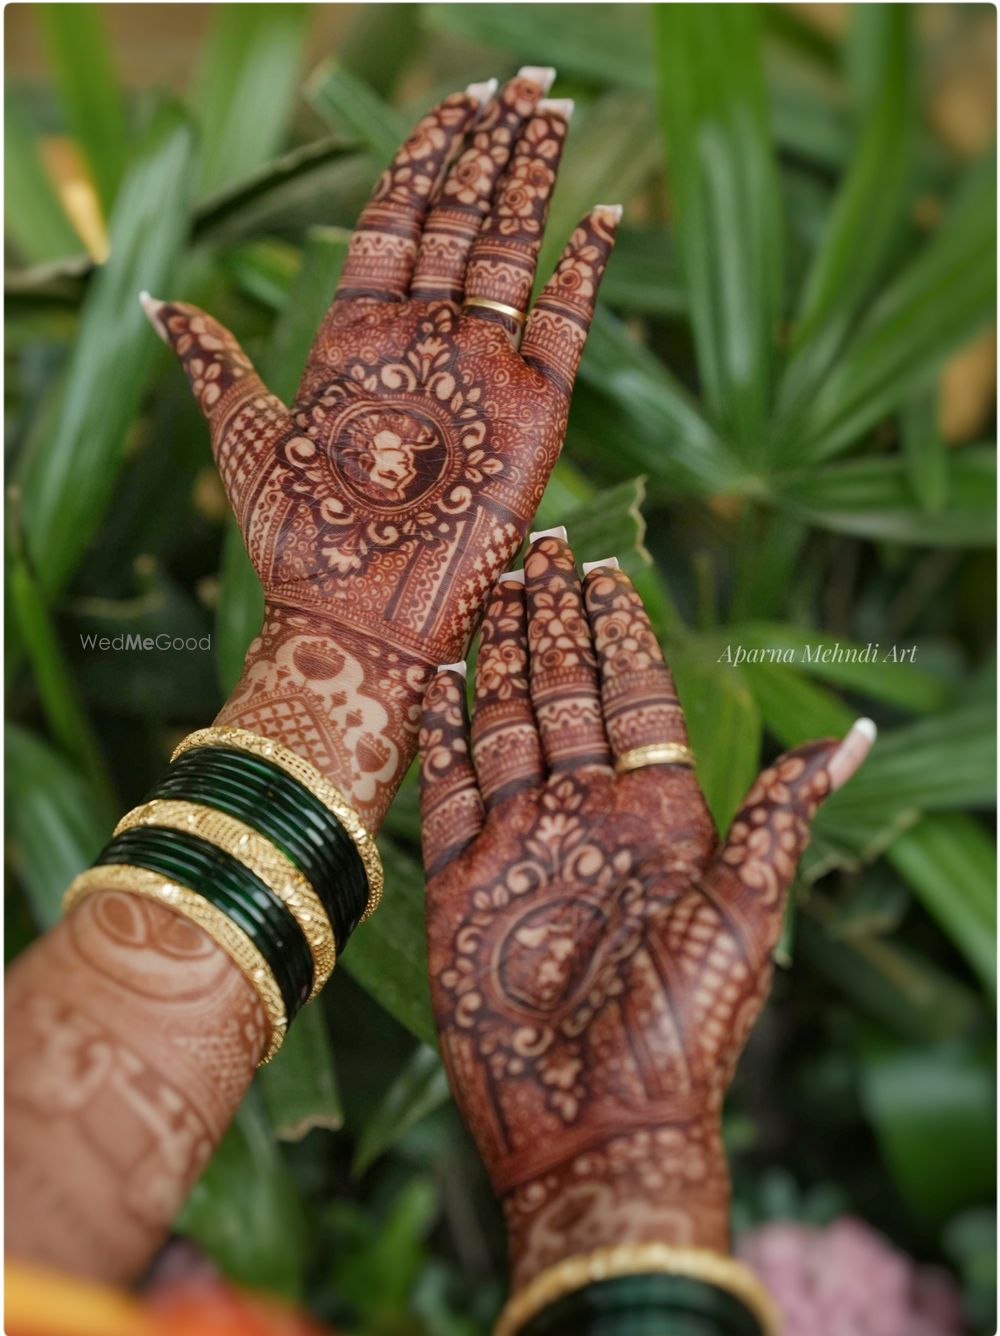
{"x": 642, "y": 1289}
{"x": 261, "y": 851}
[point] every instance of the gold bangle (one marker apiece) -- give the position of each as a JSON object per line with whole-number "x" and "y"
{"x": 633, "y": 1259}
{"x": 212, "y": 921}
{"x": 278, "y": 873}
{"x": 225, "y": 735}
{"x": 489, "y": 305}
{"x": 655, "y": 753}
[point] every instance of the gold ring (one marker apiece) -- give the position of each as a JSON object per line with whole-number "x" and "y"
{"x": 655, "y": 753}
{"x": 485, "y": 302}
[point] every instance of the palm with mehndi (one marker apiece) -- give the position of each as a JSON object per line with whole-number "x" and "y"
{"x": 380, "y": 506}
{"x": 597, "y": 959}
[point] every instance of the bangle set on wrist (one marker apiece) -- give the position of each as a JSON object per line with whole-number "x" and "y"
{"x": 641, "y": 1289}
{"x": 259, "y": 849}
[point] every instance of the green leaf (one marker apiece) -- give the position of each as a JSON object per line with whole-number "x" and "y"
{"x": 926, "y": 451}
{"x": 794, "y": 709}
{"x": 312, "y": 292}
{"x": 724, "y": 188}
{"x": 346, "y": 102}
{"x": 387, "y": 955}
{"x": 873, "y": 498}
{"x": 55, "y": 825}
{"x": 299, "y": 1084}
{"x": 245, "y": 1210}
{"x": 246, "y": 88}
{"x": 869, "y": 210}
{"x": 380, "y": 42}
{"x": 940, "y": 300}
{"x": 75, "y": 456}
{"x": 34, "y": 219}
{"x": 608, "y": 523}
{"x": 239, "y": 612}
{"x": 724, "y": 726}
{"x": 933, "y": 1114}
{"x": 951, "y": 863}
{"x": 420, "y": 1088}
{"x": 90, "y": 91}
{"x": 645, "y": 274}
{"x": 264, "y": 269}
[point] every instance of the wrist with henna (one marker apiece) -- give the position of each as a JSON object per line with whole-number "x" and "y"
{"x": 597, "y": 959}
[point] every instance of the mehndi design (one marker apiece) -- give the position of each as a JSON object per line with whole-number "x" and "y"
{"x": 597, "y": 959}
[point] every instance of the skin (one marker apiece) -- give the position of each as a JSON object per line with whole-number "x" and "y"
{"x": 378, "y": 510}
{"x": 597, "y": 958}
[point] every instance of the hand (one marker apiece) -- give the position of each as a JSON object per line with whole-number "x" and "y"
{"x": 379, "y": 508}
{"x": 597, "y": 961}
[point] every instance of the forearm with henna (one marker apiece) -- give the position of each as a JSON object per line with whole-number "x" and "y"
{"x": 377, "y": 510}
{"x": 597, "y": 960}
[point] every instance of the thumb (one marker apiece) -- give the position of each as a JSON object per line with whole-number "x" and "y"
{"x": 753, "y": 870}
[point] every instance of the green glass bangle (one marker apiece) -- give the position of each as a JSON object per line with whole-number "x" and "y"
{"x": 653, "y": 1304}
{"x": 284, "y": 811}
{"x": 231, "y": 887}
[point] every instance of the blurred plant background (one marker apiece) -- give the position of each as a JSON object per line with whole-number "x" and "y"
{"x": 784, "y": 429}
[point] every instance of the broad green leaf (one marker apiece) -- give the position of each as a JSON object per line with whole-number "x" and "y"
{"x": 245, "y": 1211}
{"x": 299, "y": 1084}
{"x": 794, "y": 709}
{"x": 57, "y": 689}
{"x": 724, "y": 726}
{"x": 869, "y": 669}
{"x": 888, "y": 981}
{"x": 869, "y": 210}
{"x": 55, "y": 825}
{"x": 246, "y": 88}
{"x": 387, "y": 955}
{"x": 346, "y": 102}
{"x": 34, "y": 219}
{"x": 90, "y": 91}
{"x": 951, "y": 863}
{"x": 75, "y": 457}
{"x": 925, "y": 450}
{"x": 644, "y": 274}
{"x": 727, "y": 218}
{"x": 873, "y": 498}
{"x": 419, "y": 1089}
{"x": 933, "y": 1113}
{"x": 942, "y": 298}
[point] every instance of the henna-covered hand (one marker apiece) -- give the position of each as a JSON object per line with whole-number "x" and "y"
{"x": 597, "y": 959}
{"x": 379, "y": 508}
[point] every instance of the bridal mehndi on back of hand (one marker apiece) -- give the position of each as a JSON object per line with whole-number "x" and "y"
{"x": 597, "y": 958}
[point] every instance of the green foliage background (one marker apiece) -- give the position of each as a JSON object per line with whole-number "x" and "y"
{"x": 754, "y": 436}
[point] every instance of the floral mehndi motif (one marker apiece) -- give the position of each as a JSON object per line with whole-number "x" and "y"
{"x": 384, "y": 502}
{"x": 596, "y": 958}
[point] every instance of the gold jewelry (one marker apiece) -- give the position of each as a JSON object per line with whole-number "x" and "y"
{"x": 217, "y": 925}
{"x": 225, "y": 735}
{"x": 655, "y": 753}
{"x": 633, "y": 1259}
{"x": 278, "y": 873}
{"x": 489, "y": 305}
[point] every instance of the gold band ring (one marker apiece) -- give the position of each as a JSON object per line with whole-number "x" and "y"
{"x": 655, "y": 753}
{"x": 488, "y": 305}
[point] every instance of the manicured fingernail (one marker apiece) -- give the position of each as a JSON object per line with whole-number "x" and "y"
{"x": 559, "y": 106}
{"x": 543, "y": 75}
{"x": 511, "y": 578}
{"x": 610, "y": 562}
{"x": 482, "y": 92}
{"x": 850, "y": 755}
{"x": 615, "y": 210}
{"x": 558, "y": 532}
{"x": 153, "y": 306}
{"x": 461, "y": 668}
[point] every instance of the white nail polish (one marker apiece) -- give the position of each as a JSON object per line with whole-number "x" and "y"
{"x": 615, "y": 210}
{"x": 152, "y": 306}
{"x": 482, "y": 92}
{"x": 461, "y": 668}
{"x": 559, "y": 106}
{"x": 543, "y": 75}
{"x": 511, "y": 578}
{"x": 610, "y": 562}
{"x": 851, "y": 753}
{"x": 558, "y": 532}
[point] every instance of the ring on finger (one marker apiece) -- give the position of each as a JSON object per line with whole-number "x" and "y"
{"x": 655, "y": 753}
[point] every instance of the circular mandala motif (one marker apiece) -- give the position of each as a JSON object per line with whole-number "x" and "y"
{"x": 547, "y": 954}
{"x": 387, "y": 459}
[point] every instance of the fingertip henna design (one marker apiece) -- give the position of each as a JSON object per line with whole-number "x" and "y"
{"x": 451, "y": 810}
